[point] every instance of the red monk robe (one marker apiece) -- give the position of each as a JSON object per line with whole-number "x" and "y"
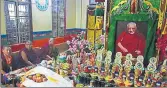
{"x": 131, "y": 42}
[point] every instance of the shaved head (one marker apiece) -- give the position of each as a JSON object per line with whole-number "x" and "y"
{"x": 131, "y": 27}
{"x": 6, "y": 50}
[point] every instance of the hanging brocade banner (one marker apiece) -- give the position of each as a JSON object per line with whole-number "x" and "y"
{"x": 99, "y": 22}
{"x": 99, "y": 11}
{"x": 91, "y": 22}
{"x": 162, "y": 11}
{"x": 164, "y": 27}
{"x": 98, "y": 27}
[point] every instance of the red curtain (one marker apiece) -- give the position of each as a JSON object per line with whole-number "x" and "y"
{"x": 99, "y": 0}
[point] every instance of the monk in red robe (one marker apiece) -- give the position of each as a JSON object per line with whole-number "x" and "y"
{"x": 131, "y": 41}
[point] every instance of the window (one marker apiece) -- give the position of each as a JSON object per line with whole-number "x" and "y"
{"x": 18, "y": 21}
{"x": 58, "y": 17}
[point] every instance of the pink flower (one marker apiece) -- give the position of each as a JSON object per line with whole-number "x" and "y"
{"x": 70, "y": 46}
{"x": 73, "y": 39}
{"x": 87, "y": 42}
{"x": 75, "y": 42}
{"x": 74, "y": 49}
{"x": 102, "y": 38}
{"x": 75, "y": 46}
{"x": 82, "y": 32}
{"x": 68, "y": 42}
{"x": 81, "y": 46}
{"x": 70, "y": 49}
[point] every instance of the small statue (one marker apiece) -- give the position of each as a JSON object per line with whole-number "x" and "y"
{"x": 139, "y": 82}
{"x": 115, "y": 70}
{"x": 118, "y": 55}
{"x": 121, "y": 73}
{"x": 99, "y": 58}
{"x": 108, "y": 60}
{"x": 164, "y": 67}
{"x": 129, "y": 56}
{"x": 140, "y": 58}
{"x": 74, "y": 61}
{"x": 92, "y": 58}
{"x": 139, "y": 67}
{"x": 118, "y": 58}
{"x": 128, "y": 67}
{"x": 149, "y": 74}
{"x": 153, "y": 60}
{"x": 156, "y": 79}
{"x": 117, "y": 64}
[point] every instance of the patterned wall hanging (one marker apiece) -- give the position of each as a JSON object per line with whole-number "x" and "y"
{"x": 41, "y": 6}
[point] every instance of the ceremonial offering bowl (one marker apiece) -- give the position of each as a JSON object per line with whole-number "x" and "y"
{"x": 37, "y": 77}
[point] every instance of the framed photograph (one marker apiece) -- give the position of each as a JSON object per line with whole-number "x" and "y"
{"x": 131, "y": 37}
{"x": 92, "y": 2}
{"x": 141, "y": 42}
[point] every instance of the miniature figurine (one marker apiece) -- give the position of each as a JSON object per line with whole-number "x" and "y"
{"x": 74, "y": 61}
{"x": 139, "y": 67}
{"x": 92, "y": 58}
{"x": 108, "y": 60}
{"x": 153, "y": 60}
{"x": 164, "y": 67}
{"x": 99, "y": 59}
{"x": 127, "y": 67}
{"x": 140, "y": 58}
{"x": 149, "y": 74}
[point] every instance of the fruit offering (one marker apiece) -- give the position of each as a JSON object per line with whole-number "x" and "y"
{"x": 37, "y": 78}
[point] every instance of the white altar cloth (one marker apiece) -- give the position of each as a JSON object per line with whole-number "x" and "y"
{"x": 60, "y": 81}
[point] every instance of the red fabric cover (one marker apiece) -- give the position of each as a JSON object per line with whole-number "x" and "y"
{"x": 59, "y": 40}
{"x": 17, "y": 47}
{"x": 40, "y": 43}
{"x": 66, "y": 38}
{"x": 73, "y": 36}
